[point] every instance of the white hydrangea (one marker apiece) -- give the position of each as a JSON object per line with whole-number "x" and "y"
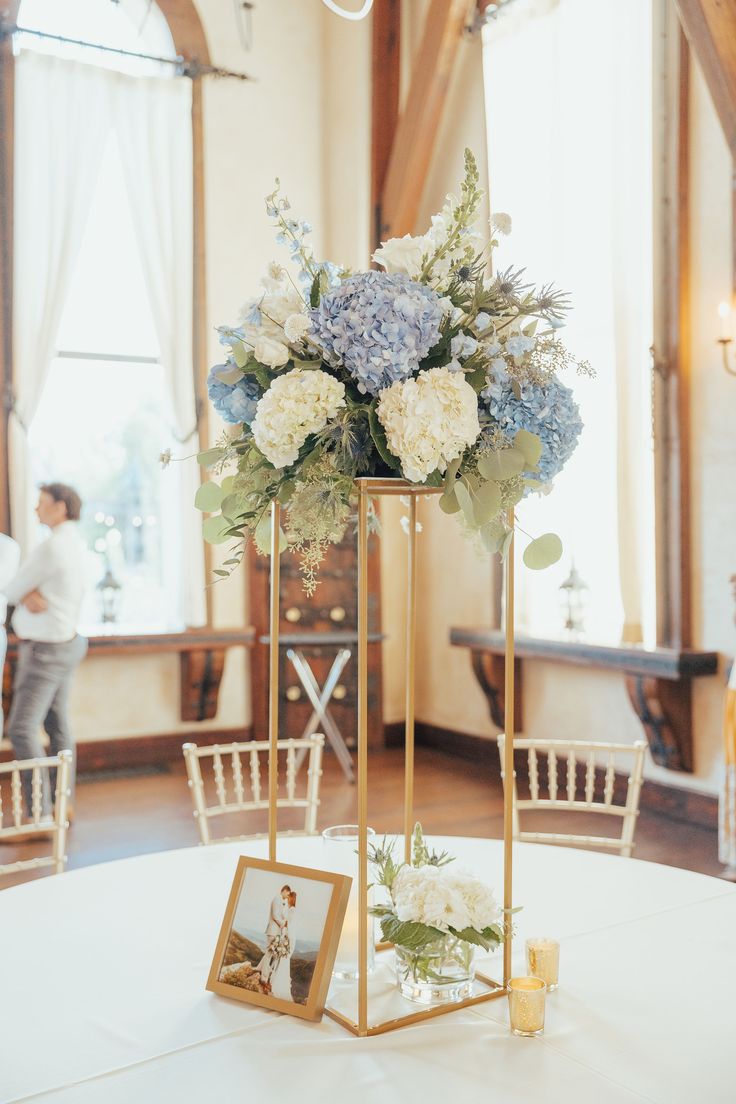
{"x": 443, "y": 898}
{"x": 296, "y": 404}
{"x": 429, "y": 420}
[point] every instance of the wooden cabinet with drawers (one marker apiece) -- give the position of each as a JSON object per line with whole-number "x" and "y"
{"x": 333, "y": 609}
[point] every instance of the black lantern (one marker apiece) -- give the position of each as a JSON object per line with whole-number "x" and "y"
{"x": 109, "y": 590}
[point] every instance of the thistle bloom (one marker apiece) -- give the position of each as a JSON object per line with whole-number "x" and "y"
{"x": 548, "y": 410}
{"x": 379, "y": 325}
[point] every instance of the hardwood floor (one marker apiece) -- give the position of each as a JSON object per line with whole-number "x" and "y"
{"x": 118, "y": 816}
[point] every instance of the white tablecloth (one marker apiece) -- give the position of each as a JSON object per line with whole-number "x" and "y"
{"x": 102, "y": 998}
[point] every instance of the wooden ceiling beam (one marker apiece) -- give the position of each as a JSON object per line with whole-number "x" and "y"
{"x": 386, "y": 76}
{"x": 710, "y": 27}
{"x": 411, "y": 152}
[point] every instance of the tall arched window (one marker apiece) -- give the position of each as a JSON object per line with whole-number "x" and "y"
{"x": 103, "y": 301}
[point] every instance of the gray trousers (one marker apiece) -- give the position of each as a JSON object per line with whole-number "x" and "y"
{"x": 41, "y": 688}
{"x": 3, "y": 650}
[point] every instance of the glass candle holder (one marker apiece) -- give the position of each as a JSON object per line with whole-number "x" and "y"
{"x": 543, "y": 960}
{"x": 526, "y": 1005}
{"x": 341, "y": 857}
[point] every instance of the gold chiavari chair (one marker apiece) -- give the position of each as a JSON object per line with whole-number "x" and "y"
{"x": 238, "y": 787}
{"x": 578, "y": 776}
{"x": 15, "y": 826}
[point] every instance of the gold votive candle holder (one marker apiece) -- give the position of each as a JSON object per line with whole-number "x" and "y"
{"x": 543, "y": 960}
{"x": 526, "y": 1005}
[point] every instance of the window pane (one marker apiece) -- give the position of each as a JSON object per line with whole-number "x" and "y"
{"x": 100, "y": 427}
{"x": 107, "y": 309}
{"x": 135, "y": 25}
{"x": 570, "y": 152}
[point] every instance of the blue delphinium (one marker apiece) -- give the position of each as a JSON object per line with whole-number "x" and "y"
{"x": 379, "y": 325}
{"x": 234, "y": 402}
{"x": 547, "y": 409}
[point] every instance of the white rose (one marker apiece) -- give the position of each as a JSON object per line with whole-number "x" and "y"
{"x": 403, "y": 255}
{"x": 296, "y": 327}
{"x": 271, "y": 352}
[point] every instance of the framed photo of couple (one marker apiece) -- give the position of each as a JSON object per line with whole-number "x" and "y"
{"x": 279, "y": 937}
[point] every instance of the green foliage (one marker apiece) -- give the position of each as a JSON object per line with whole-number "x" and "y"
{"x": 379, "y": 439}
{"x": 543, "y": 552}
{"x": 502, "y": 464}
{"x": 211, "y": 457}
{"x": 531, "y": 446}
{"x": 208, "y": 497}
{"x": 215, "y": 530}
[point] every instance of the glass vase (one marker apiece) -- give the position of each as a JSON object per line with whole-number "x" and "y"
{"x": 440, "y": 973}
{"x": 341, "y": 856}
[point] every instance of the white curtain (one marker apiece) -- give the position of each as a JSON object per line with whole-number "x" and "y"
{"x": 61, "y": 121}
{"x": 568, "y": 94}
{"x": 153, "y": 124}
{"x": 64, "y": 113}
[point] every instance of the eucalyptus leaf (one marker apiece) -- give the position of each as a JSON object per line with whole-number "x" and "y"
{"x": 286, "y": 490}
{"x": 215, "y": 530}
{"x": 227, "y": 374}
{"x": 531, "y": 446}
{"x": 486, "y": 502}
{"x": 228, "y": 484}
{"x": 506, "y": 544}
{"x": 241, "y": 355}
{"x": 543, "y": 552}
{"x": 452, "y": 469}
{"x": 502, "y": 464}
{"x": 208, "y": 497}
{"x": 210, "y": 457}
{"x": 262, "y": 535}
{"x": 493, "y": 535}
{"x": 448, "y": 502}
{"x": 466, "y": 503}
{"x": 231, "y": 506}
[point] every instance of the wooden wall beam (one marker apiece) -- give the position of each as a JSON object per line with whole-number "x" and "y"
{"x": 411, "y": 153}
{"x": 710, "y": 26}
{"x": 386, "y": 80}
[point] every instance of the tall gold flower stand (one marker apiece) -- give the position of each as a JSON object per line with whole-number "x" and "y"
{"x": 354, "y": 1014}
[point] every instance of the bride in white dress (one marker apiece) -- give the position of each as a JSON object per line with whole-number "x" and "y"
{"x": 281, "y": 977}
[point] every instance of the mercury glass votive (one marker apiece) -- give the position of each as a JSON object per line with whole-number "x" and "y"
{"x": 543, "y": 960}
{"x": 526, "y": 1005}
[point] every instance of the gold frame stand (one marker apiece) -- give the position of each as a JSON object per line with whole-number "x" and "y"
{"x": 376, "y": 487}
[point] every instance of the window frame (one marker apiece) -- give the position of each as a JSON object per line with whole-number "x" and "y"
{"x": 190, "y": 43}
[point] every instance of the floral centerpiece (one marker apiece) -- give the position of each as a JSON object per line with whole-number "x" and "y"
{"x": 430, "y": 368}
{"x": 436, "y": 919}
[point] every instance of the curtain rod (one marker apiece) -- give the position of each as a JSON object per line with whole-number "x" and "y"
{"x": 185, "y": 67}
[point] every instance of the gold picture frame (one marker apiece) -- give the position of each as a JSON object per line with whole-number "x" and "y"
{"x": 265, "y": 887}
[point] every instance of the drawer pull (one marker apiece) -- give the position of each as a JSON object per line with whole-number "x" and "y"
{"x": 293, "y": 693}
{"x": 337, "y": 613}
{"x": 293, "y": 614}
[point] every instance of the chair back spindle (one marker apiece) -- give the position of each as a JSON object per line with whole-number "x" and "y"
{"x": 256, "y": 752}
{"x": 594, "y": 798}
{"x": 17, "y": 825}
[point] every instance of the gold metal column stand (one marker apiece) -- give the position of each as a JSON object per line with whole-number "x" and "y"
{"x": 273, "y": 682}
{"x": 485, "y": 988}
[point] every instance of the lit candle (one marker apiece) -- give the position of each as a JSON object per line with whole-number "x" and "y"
{"x": 724, "y": 318}
{"x": 526, "y": 1005}
{"x": 543, "y": 961}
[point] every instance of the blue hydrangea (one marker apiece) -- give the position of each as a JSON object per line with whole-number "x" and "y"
{"x": 235, "y": 403}
{"x": 379, "y": 325}
{"x": 549, "y": 410}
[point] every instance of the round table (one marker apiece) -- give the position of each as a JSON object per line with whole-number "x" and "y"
{"x": 102, "y": 975}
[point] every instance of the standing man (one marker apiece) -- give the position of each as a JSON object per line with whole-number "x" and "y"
{"x": 9, "y": 563}
{"x": 47, "y": 593}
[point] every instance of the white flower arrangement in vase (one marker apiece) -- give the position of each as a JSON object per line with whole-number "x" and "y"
{"x": 436, "y": 919}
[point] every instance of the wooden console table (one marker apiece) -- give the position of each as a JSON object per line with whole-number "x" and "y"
{"x": 201, "y": 657}
{"x": 658, "y": 681}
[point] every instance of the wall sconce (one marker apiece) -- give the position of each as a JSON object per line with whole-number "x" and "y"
{"x": 352, "y": 15}
{"x": 725, "y": 336}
